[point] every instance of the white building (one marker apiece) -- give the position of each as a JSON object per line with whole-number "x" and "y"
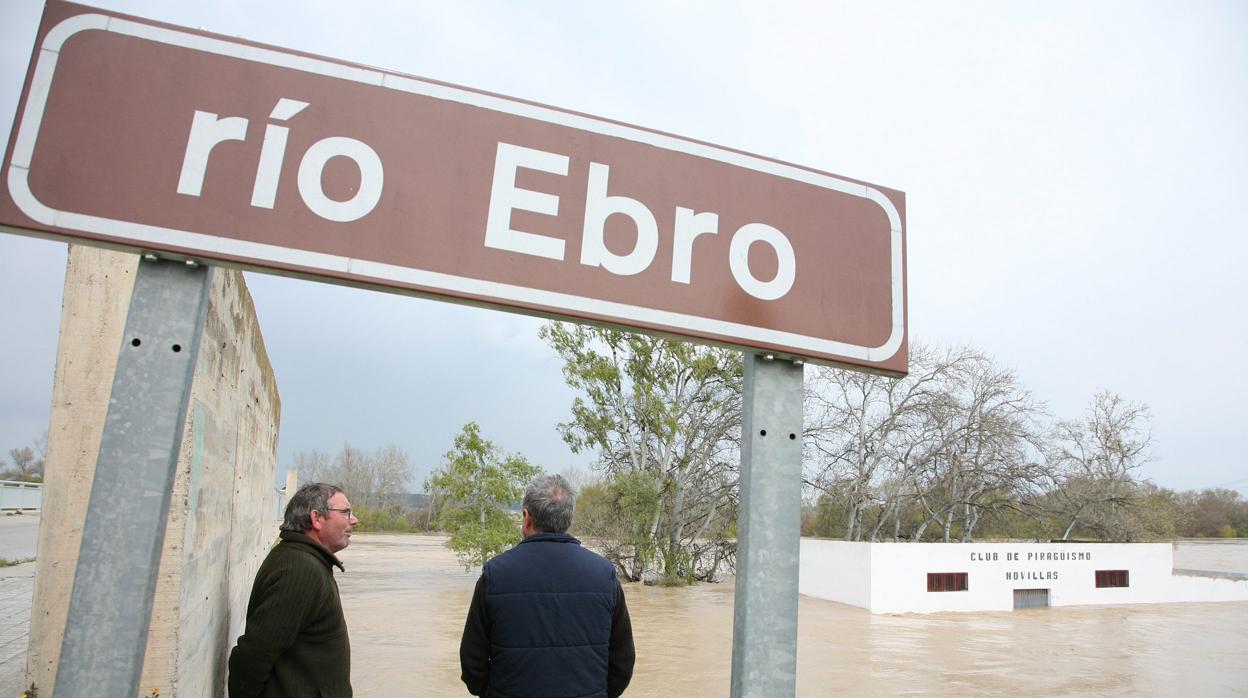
{"x": 935, "y": 577}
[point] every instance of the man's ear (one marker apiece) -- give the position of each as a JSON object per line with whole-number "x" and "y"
{"x": 317, "y": 519}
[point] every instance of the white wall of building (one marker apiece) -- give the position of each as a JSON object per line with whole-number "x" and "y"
{"x": 892, "y": 577}
{"x": 836, "y": 570}
{"x": 1186, "y": 587}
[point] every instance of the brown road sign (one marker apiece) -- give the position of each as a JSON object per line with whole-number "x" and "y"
{"x": 147, "y": 136}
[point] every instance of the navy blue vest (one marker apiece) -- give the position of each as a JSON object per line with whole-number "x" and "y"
{"x": 550, "y": 604}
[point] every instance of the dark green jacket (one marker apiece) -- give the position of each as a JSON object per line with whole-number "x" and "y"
{"x": 295, "y": 642}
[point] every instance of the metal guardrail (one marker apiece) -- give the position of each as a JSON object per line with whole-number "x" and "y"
{"x": 20, "y": 496}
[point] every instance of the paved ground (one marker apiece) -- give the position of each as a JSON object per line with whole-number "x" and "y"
{"x": 18, "y": 535}
{"x": 16, "y": 586}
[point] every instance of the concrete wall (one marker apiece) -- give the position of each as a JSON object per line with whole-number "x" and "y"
{"x": 1208, "y": 587}
{"x": 220, "y": 518}
{"x": 833, "y": 569}
{"x": 896, "y": 575}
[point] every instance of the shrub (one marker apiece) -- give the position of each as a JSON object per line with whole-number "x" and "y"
{"x": 376, "y": 520}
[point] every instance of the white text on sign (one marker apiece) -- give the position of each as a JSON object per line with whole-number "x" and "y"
{"x": 505, "y": 197}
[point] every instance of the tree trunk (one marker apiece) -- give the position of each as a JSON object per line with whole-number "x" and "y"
{"x": 635, "y": 574}
{"x": 1069, "y": 528}
{"x": 875, "y": 531}
{"x": 483, "y": 550}
{"x": 918, "y": 532}
{"x": 851, "y": 520}
{"x": 970, "y": 518}
{"x": 676, "y": 526}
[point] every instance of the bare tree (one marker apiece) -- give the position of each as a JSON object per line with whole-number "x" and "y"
{"x": 960, "y": 440}
{"x": 868, "y": 435}
{"x": 997, "y": 462}
{"x": 986, "y": 455}
{"x": 1094, "y": 460}
{"x": 950, "y": 441}
{"x": 313, "y": 466}
{"x": 23, "y": 459}
{"x": 391, "y": 472}
{"x": 579, "y": 478}
{"x": 41, "y": 453}
{"x": 26, "y": 464}
{"x": 376, "y": 479}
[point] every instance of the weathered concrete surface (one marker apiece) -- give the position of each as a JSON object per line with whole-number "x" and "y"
{"x": 220, "y": 517}
{"x": 18, "y": 535}
{"x": 17, "y": 542}
{"x": 16, "y": 584}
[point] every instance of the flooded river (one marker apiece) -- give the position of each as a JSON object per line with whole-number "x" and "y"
{"x": 405, "y": 598}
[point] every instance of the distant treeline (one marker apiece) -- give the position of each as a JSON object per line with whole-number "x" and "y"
{"x": 1164, "y": 514}
{"x": 1156, "y": 513}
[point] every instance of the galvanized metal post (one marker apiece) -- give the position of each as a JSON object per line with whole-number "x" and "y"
{"x": 764, "y": 628}
{"x": 111, "y": 604}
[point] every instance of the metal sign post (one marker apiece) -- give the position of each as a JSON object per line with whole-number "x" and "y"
{"x": 764, "y": 627}
{"x": 111, "y": 604}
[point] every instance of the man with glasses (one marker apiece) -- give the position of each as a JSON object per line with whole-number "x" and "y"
{"x": 295, "y": 642}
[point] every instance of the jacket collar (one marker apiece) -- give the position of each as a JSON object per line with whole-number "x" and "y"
{"x": 551, "y": 538}
{"x": 328, "y": 557}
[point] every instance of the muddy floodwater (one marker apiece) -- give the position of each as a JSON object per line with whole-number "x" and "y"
{"x": 405, "y": 598}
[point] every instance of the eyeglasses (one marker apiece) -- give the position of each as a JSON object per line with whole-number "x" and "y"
{"x": 346, "y": 511}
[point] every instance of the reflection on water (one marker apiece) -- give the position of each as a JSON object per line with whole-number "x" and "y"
{"x": 405, "y": 599}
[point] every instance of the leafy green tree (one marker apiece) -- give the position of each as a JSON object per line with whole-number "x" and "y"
{"x": 614, "y": 516}
{"x": 477, "y": 485}
{"x": 665, "y": 418}
{"x": 377, "y": 520}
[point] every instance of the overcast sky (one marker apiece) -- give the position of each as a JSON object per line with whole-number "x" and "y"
{"x": 1075, "y": 177}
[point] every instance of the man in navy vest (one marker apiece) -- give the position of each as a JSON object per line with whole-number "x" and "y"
{"x": 547, "y": 617}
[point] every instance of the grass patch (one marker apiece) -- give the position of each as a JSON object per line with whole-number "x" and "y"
{"x": 6, "y": 562}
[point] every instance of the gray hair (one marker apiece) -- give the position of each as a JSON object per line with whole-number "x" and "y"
{"x": 313, "y": 496}
{"x": 550, "y": 501}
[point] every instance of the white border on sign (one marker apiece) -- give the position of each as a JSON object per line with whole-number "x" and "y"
{"x": 41, "y": 82}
